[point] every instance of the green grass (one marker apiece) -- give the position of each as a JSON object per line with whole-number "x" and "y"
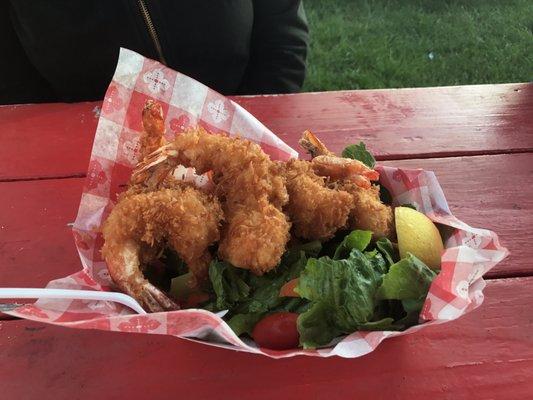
{"x": 357, "y": 44}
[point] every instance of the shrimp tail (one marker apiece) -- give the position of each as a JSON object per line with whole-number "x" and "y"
{"x": 152, "y": 136}
{"x": 313, "y": 145}
{"x": 155, "y": 300}
{"x": 155, "y": 167}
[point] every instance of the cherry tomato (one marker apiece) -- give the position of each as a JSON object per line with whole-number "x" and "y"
{"x": 287, "y": 290}
{"x": 277, "y": 331}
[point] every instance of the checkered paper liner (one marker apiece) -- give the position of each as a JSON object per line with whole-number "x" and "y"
{"x": 469, "y": 252}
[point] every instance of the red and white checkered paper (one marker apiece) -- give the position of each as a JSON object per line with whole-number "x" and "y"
{"x": 469, "y": 253}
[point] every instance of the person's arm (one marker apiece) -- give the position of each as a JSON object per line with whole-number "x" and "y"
{"x": 278, "y": 49}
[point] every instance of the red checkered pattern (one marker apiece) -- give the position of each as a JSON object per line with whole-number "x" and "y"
{"x": 469, "y": 252}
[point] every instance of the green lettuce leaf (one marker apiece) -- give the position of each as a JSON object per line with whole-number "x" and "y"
{"x": 265, "y": 289}
{"x": 244, "y": 323}
{"x": 354, "y": 240}
{"x": 342, "y": 292}
{"x": 413, "y": 305}
{"x": 249, "y": 297}
{"x": 311, "y": 249}
{"x": 316, "y": 327}
{"x": 357, "y": 289}
{"x": 229, "y": 284}
{"x": 359, "y": 152}
{"x": 377, "y": 260}
{"x": 292, "y": 304}
{"x": 385, "y": 324}
{"x": 242, "y": 292}
{"x": 386, "y": 248}
{"x": 408, "y": 279}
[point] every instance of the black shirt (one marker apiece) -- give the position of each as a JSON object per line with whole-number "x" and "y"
{"x": 60, "y": 50}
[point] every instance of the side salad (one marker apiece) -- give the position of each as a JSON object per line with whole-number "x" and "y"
{"x": 322, "y": 291}
{"x": 332, "y": 290}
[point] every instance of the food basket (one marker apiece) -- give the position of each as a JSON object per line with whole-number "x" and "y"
{"x": 469, "y": 252}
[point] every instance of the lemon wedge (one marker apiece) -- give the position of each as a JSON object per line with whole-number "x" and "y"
{"x": 418, "y": 235}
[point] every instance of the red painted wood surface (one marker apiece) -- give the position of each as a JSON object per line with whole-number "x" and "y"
{"x": 399, "y": 123}
{"x": 488, "y": 354}
{"x": 46, "y": 140}
{"x": 402, "y": 123}
{"x": 491, "y": 192}
{"x": 36, "y": 245}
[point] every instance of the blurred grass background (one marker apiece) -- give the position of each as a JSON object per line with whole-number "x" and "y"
{"x": 358, "y": 44}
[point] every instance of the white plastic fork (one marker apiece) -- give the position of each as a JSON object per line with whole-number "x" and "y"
{"x": 71, "y": 294}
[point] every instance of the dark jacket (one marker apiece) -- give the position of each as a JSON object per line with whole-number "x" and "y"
{"x": 61, "y": 50}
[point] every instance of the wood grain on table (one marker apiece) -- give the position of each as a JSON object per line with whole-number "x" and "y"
{"x": 482, "y": 191}
{"x": 478, "y": 140}
{"x": 395, "y": 124}
{"x": 487, "y": 354}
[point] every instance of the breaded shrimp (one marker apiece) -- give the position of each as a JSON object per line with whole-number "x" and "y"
{"x": 315, "y": 210}
{"x": 351, "y": 176}
{"x": 326, "y": 163}
{"x": 154, "y": 214}
{"x": 316, "y": 207}
{"x": 256, "y": 230}
{"x": 181, "y": 218}
{"x": 368, "y": 212}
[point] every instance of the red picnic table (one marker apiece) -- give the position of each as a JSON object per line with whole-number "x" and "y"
{"x": 478, "y": 140}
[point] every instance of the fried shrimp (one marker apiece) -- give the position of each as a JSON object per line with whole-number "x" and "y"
{"x": 351, "y": 176}
{"x": 248, "y": 213}
{"x": 315, "y": 210}
{"x": 368, "y": 212}
{"x": 256, "y": 230}
{"x": 326, "y": 163}
{"x": 318, "y": 208}
{"x": 181, "y": 218}
{"x": 153, "y": 214}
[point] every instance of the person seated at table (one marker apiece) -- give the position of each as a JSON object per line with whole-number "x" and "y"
{"x": 55, "y": 50}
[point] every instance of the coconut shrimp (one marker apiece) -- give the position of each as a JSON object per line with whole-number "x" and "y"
{"x": 256, "y": 230}
{"x": 326, "y": 163}
{"x": 182, "y": 218}
{"x": 366, "y": 211}
{"x": 316, "y": 207}
{"x": 152, "y": 215}
{"x": 315, "y": 210}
